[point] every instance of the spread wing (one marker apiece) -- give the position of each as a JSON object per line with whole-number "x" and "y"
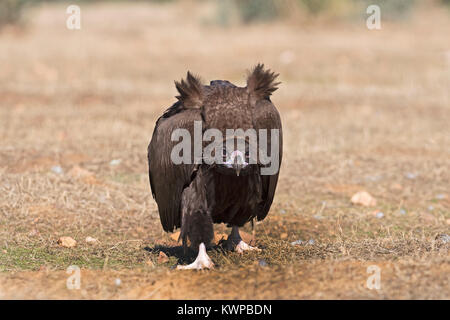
{"x": 168, "y": 180}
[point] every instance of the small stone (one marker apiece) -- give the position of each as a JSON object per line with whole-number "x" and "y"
{"x": 297, "y": 242}
{"x": 311, "y": 242}
{"x": 379, "y": 215}
{"x": 402, "y": 211}
{"x": 411, "y": 175}
{"x": 318, "y": 217}
{"x": 441, "y": 196}
{"x": 67, "y": 242}
{"x": 430, "y": 208}
{"x": 91, "y": 240}
{"x": 115, "y": 162}
{"x": 162, "y": 258}
{"x": 57, "y": 169}
{"x": 282, "y": 211}
{"x": 444, "y": 238}
{"x": 363, "y": 198}
{"x": 117, "y": 282}
{"x": 262, "y": 263}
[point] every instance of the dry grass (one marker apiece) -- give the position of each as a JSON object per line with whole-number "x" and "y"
{"x": 361, "y": 110}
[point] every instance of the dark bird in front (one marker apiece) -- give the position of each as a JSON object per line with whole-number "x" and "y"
{"x": 195, "y": 194}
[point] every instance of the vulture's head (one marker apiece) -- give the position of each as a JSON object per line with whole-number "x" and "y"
{"x": 230, "y": 137}
{"x": 236, "y": 158}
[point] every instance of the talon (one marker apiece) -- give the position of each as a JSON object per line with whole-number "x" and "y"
{"x": 235, "y": 242}
{"x": 202, "y": 261}
{"x": 242, "y": 246}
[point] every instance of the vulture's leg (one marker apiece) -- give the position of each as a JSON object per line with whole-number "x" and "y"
{"x": 236, "y": 243}
{"x": 196, "y": 223}
{"x": 202, "y": 261}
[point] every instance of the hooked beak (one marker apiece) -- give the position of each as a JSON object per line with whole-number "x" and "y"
{"x": 238, "y": 167}
{"x": 236, "y": 161}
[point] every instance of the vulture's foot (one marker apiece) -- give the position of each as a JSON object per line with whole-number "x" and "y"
{"x": 242, "y": 246}
{"x": 235, "y": 242}
{"x": 202, "y": 261}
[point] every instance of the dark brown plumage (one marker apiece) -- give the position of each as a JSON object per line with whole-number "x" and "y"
{"x": 194, "y": 196}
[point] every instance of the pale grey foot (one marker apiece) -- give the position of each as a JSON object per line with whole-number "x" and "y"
{"x": 202, "y": 261}
{"x": 235, "y": 242}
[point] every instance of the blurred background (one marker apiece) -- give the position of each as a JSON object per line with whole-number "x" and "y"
{"x": 362, "y": 110}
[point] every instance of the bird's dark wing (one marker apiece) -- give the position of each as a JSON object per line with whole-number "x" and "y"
{"x": 260, "y": 85}
{"x": 267, "y": 117}
{"x": 167, "y": 180}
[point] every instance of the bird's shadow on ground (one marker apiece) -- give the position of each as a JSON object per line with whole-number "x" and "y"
{"x": 183, "y": 256}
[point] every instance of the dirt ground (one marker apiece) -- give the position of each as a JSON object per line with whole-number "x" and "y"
{"x": 361, "y": 110}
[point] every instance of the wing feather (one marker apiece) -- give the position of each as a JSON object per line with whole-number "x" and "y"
{"x": 168, "y": 180}
{"x": 266, "y": 116}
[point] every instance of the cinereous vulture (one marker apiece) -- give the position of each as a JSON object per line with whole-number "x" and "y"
{"x": 222, "y": 177}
